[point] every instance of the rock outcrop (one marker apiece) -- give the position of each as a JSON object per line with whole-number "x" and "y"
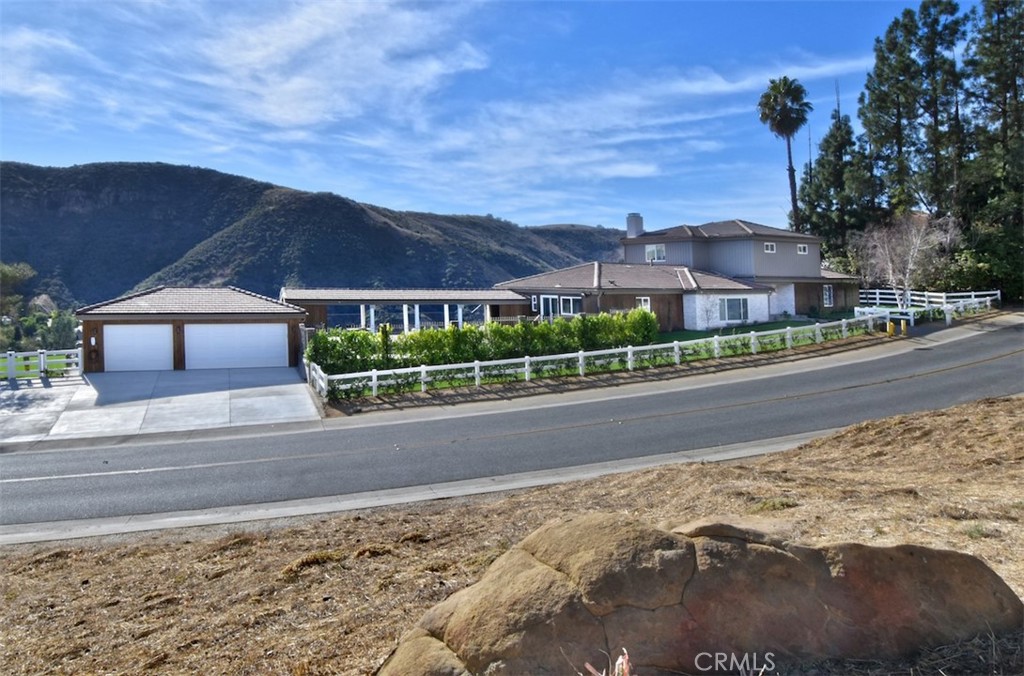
{"x": 704, "y": 597}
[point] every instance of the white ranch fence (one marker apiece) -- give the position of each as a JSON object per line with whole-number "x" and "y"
{"x": 925, "y": 303}
{"x": 49, "y": 363}
{"x": 596, "y": 361}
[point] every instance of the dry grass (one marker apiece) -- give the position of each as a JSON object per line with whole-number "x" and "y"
{"x": 331, "y": 595}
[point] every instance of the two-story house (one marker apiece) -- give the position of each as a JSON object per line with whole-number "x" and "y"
{"x": 698, "y": 277}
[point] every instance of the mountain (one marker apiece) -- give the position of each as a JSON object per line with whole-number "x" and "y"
{"x": 93, "y": 232}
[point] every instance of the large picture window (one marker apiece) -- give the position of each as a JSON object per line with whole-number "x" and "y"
{"x": 643, "y": 302}
{"x": 827, "y": 298}
{"x": 732, "y": 309}
{"x": 654, "y": 253}
{"x": 570, "y": 305}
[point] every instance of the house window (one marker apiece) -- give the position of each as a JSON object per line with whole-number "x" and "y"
{"x": 802, "y": 249}
{"x": 827, "y": 298}
{"x": 654, "y": 253}
{"x": 643, "y": 302}
{"x": 570, "y": 305}
{"x": 533, "y": 303}
{"x": 732, "y": 309}
{"x": 769, "y": 247}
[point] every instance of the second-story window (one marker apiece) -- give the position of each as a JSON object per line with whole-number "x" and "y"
{"x": 801, "y": 249}
{"x": 769, "y": 247}
{"x": 654, "y": 253}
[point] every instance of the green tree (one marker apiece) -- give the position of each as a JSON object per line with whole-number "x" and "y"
{"x": 940, "y": 30}
{"x": 784, "y": 109}
{"x": 60, "y": 333}
{"x": 889, "y": 111}
{"x": 840, "y": 195}
{"x": 993, "y": 179}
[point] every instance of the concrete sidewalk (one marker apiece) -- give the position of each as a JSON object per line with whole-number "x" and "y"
{"x": 101, "y": 405}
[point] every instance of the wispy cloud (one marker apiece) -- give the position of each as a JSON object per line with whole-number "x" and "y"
{"x": 28, "y": 57}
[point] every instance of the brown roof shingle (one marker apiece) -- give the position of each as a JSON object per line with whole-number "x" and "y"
{"x": 611, "y": 276}
{"x": 207, "y": 301}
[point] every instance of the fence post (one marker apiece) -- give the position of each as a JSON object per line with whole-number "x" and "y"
{"x": 476, "y": 371}
{"x": 716, "y": 349}
{"x": 582, "y": 364}
{"x": 630, "y": 358}
{"x": 789, "y": 337}
{"x": 677, "y": 352}
{"x": 949, "y": 315}
{"x": 42, "y": 363}
{"x": 81, "y": 357}
{"x": 843, "y": 324}
{"x": 817, "y": 332}
{"x": 753, "y": 342}
{"x": 423, "y": 378}
{"x": 373, "y": 382}
{"x": 526, "y": 368}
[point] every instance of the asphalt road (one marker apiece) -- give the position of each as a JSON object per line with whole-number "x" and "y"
{"x": 525, "y": 436}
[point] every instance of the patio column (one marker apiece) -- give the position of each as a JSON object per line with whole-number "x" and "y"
{"x": 362, "y": 316}
{"x": 373, "y": 319}
{"x": 416, "y": 316}
{"x": 447, "y": 316}
{"x": 459, "y": 314}
{"x": 405, "y": 318}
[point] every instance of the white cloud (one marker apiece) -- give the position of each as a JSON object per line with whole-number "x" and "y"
{"x": 320, "y": 62}
{"x": 26, "y": 55}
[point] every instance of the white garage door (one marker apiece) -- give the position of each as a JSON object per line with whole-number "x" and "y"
{"x": 223, "y": 346}
{"x": 138, "y": 347}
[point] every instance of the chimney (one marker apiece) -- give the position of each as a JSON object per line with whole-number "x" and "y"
{"x": 634, "y": 225}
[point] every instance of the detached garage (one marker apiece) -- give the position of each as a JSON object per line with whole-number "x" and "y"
{"x": 170, "y": 328}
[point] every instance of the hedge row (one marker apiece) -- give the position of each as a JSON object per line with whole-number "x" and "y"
{"x": 352, "y": 351}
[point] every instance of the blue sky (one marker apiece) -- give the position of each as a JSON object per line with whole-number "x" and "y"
{"x": 538, "y": 112}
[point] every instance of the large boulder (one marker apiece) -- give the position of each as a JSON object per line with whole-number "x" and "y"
{"x": 703, "y": 597}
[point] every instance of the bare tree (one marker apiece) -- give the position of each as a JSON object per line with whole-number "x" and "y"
{"x": 906, "y": 253}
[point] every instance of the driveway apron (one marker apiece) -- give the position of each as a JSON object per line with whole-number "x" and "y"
{"x": 143, "y": 402}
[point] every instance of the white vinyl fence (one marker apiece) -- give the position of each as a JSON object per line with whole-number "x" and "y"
{"x": 49, "y": 363}
{"x": 925, "y": 303}
{"x": 581, "y": 363}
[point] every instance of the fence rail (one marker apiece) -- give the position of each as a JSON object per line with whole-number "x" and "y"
{"x": 925, "y": 304}
{"x": 924, "y": 299}
{"x": 50, "y": 363}
{"x": 583, "y": 362}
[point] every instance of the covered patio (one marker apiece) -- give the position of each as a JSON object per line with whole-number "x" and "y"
{"x": 495, "y": 303}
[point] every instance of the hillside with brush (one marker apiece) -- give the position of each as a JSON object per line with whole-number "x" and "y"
{"x": 96, "y": 231}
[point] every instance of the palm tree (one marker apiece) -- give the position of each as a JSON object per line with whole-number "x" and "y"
{"x": 784, "y": 110}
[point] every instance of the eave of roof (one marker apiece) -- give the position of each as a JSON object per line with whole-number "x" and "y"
{"x": 334, "y": 296}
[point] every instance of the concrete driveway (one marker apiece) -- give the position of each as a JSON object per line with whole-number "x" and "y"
{"x": 146, "y": 402}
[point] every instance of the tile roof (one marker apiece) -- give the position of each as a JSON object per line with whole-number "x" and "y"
{"x": 733, "y": 229}
{"x": 166, "y": 300}
{"x": 611, "y": 276}
{"x": 325, "y": 296}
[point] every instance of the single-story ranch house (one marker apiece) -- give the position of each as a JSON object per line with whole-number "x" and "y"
{"x": 697, "y": 277}
{"x": 178, "y": 328}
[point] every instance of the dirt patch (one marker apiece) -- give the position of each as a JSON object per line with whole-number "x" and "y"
{"x": 331, "y": 595}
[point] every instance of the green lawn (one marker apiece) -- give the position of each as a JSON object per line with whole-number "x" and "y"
{"x": 683, "y": 336}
